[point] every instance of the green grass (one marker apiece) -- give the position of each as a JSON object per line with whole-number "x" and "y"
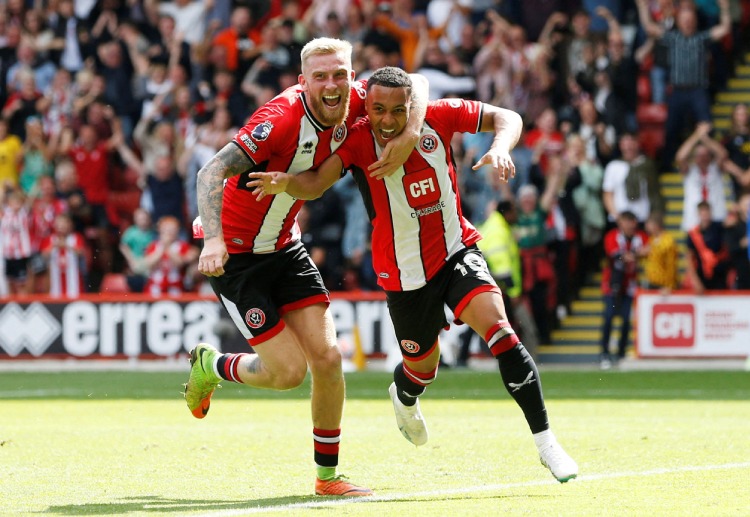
{"x": 647, "y": 443}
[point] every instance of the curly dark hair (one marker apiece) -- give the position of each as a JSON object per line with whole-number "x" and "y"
{"x": 390, "y": 77}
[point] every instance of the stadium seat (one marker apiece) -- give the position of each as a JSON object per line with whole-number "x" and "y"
{"x": 114, "y": 283}
{"x": 650, "y": 113}
{"x": 644, "y": 89}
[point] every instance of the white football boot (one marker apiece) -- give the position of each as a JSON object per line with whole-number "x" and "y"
{"x": 409, "y": 419}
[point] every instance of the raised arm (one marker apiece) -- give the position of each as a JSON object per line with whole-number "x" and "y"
{"x": 397, "y": 151}
{"x": 229, "y": 161}
{"x": 652, "y": 28}
{"x": 725, "y": 21}
{"x": 305, "y": 185}
{"x": 507, "y": 126}
{"x": 683, "y": 153}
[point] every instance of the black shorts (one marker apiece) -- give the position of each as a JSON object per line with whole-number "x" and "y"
{"x": 419, "y": 315}
{"x": 258, "y": 289}
{"x": 17, "y": 270}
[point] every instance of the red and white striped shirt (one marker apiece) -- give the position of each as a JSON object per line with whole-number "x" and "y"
{"x": 283, "y": 135}
{"x": 65, "y": 275}
{"x": 416, "y": 212}
{"x": 43, "y": 215}
{"x": 16, "y": 229}
{"x": 166, "y": 277}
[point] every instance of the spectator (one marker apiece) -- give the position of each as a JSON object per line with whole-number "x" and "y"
{"x": 133, "y": 244}
{"x": 707, "y": 256}
{"x": 27, "y": 59}
{"x": 21, "y": 104}
{"x": 737, "y": 144}
{"x": 71, "y": 43}
{"x": 189, "y": 16}
{"x": 16, "y": 239}
{"x": 736, "y": 239}
{"x": 688, "y": 68}
{"x": 37, "y": 156}
{"x": 699, "y": 159}
{"x": 660, "y": 268}
{"x": 631, "y": 183}
{"x": 45, "y": 207}
{"x": 623, "y": 246}
{"x": 545, "y": 139}
{"x": 11, "y": 156}
{"x": 64, "y": 251}
{"x": 69, "y": 192}
{"x": 530, "y": 231}
{"x": 451, "y": 14}
{"x": 598, "y": 136}
{"x": 167, "y": 258}
{"x": 240, "y": 40}
{"x": 623, "y": 74}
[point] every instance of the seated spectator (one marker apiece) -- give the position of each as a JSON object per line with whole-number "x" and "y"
{"x": 699, "y": 159}
{"x": 167, "y": 258}
{"x": 623, "y": 246}
{"x": 707, "y": 256}
{"x": 660, "y": 266}
{"x": 133, "y": 244}
{"x": 64, "y": 251}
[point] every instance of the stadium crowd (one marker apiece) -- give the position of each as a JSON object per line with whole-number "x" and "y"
{"x": 110, "y": 107}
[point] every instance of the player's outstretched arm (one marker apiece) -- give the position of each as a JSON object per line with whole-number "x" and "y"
{"x": 397, "y": 151}
{"x": 305, "y": 185}
{"x": 228, "y": 162}
{"x": 507, "y": 126}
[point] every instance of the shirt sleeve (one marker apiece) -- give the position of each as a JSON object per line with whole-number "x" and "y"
{"x": 455, "y": 116}
{"x": 266, "y": 132}
{"x": 353, "y": 146}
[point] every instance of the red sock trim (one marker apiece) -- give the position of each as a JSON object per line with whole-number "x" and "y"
{"x": 501, "y": 337}
{"x": 231, "y": 367}
{"x": 421, "y": 378}
{"x": 327, "y": 433}
{"x": 326, "y": 441}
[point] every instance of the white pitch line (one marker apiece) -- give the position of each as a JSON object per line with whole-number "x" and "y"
{"x": 465, "y": 490}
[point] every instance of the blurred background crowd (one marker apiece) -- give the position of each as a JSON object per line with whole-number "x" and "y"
{"x": 110, "y": 107}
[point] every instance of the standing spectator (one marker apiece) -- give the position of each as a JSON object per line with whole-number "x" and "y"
{"x": 21, "y": 104}
{"x": 27, "y": 59}
{"x": 623, "y": 74}
{"x": 451, "y": 14}
{"x": 660, "y": 268}
{"x": 166, "y": 259}
{"x": 699, "y": 159}
{"x": 545, "y": 138}
{"x": 622, "y": 246}
{"x": 688, "y": 68}
{"x": 189, "y": 16}
{"x": 241, "y": 41}
{"x": 64, "y": 251}
{"x": 45, "y": 207}
{"x": 16, "y": 239}
{"x": 133, "y": 245}
{"x": 631, "y": 183}
{"x": 599, "y": 137}
{"x": 11, "y": 155}
{"x": 735, "y": 237}
{"x": 37, "y": 156}
{"x": 71, "y": 42}
{"x": 737, "y": 144}
{"x": 70, "y": 192}
{"x": 707, "y": 256}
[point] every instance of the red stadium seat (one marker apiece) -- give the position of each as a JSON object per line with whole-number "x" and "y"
{"x": 114, "y": 283}
{"x": 651, "y": 114}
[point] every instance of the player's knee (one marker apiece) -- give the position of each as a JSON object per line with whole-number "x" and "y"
{"x": 327, "y": 363}
{"x": 291, "y": 375}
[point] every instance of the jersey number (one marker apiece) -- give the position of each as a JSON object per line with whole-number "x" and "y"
{"x": 477, "y": 265}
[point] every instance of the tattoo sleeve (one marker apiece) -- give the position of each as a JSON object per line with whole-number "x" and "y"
{"x": 229, "y": 161}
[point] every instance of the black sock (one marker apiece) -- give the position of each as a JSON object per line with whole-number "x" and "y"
{"x": 406, "y": 389}
{"x": 521, "y": 379}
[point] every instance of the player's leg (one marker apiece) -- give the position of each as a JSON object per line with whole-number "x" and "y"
{"x": 476, "y": 300}
{"x": 303, "y": 302}
{"x": 417, "y": 318}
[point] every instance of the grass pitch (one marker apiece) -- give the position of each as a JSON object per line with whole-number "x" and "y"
{"x": 647, "y": 443}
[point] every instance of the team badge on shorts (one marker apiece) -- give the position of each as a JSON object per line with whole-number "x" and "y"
{"x": 409, "y": 346}
{"x": 428, "y": 143}
{"x": 255, "y": 318}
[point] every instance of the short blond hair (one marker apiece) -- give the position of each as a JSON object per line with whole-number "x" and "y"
{"x": 322, "y": 46}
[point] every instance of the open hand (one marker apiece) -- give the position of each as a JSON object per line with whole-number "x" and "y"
{"x": 267, "y": 183}
{"x": 501, "y": 163}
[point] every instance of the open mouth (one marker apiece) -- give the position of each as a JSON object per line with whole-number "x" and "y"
{"x": 332, "y": 101}
{"x": 387, "y": 134}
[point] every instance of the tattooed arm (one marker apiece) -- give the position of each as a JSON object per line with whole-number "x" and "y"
{"x": 228, "y": 162}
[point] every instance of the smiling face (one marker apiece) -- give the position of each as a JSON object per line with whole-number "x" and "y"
{"x": 388, "y": 109}
{"x": 327, "y": 81}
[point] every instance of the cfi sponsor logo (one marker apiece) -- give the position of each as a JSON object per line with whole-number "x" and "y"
{"x": 428, "y": 143}
{"x": 262, "y": 131}
{"x": 409, "y": 346}
{"x": 255, "y": 318}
